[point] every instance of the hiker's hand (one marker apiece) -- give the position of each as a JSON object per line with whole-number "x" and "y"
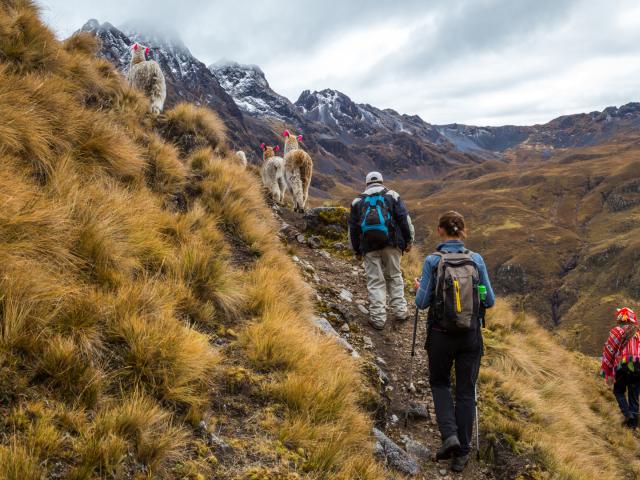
{"x": 610, "y": 381}
{"x": 416, "y": 284}
{"x": 408, "y": 247}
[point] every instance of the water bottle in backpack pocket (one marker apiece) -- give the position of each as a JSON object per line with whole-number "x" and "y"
{"x": 456, "y": 303}
{"x": 376, "y": 220}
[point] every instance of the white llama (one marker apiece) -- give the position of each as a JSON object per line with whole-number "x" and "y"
{"x": 146, "y": 76}
{"x": 242, "y": 158}
{"x": 298, "y": 169}
{"x": 273, "y": 173}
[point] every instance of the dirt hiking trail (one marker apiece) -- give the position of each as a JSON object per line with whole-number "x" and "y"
{"x": 339, "y": 284}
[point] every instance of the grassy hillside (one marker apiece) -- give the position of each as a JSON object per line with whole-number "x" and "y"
{"x": 144, "y": 300}
{"x": 544, "y": 402}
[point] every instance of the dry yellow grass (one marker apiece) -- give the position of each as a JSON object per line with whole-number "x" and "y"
{"x": 537, "y": 394}
{"x": 126, "y": 246}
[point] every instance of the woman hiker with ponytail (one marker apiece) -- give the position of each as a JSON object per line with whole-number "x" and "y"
{"x": 621, "y": 364}
{"x": 451, "y": 285}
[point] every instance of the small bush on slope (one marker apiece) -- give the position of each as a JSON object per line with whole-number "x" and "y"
{"x": 540, "y": 396}
{"x": 121, "y": 257}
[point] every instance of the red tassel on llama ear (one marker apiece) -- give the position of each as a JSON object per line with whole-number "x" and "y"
{"x": 136, "y": 47}
{"x": 285, "y": 133}
{"x": 263, "y": 146}
{"x": 146, "y": 51}
{"x": 277, "y": 149}
{"x": 299, "y": 138}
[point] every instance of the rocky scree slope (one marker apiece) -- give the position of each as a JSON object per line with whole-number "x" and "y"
{"x": 151, "y": 325}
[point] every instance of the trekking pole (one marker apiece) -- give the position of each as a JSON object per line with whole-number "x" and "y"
{"x": 482, "y": 290}
{"x": 412, "y": 387}
{"x": 475, "y": 392}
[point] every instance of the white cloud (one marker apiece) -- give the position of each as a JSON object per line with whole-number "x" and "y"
{"x": 466, "y": 61}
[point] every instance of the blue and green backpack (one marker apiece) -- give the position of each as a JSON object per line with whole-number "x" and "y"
{"x": 376, "y": 220}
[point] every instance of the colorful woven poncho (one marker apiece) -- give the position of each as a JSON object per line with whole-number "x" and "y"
{"x": 615, "y": 355}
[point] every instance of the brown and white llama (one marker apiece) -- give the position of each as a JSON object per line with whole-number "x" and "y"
{"x": 146, "y": 76}
{"x": 298, "y": 169}
{"x": 272, "y": 173}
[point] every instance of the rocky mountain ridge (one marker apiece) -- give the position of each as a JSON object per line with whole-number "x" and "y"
{"x": 567, "y": 131}
{"x": 365, "y": 138}
{"x": 345, "y": 138}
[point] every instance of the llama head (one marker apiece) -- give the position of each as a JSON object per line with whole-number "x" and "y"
{"x": 290, "y": 141}
{"x": 267, "y": 151}
{"x": 138, "y": 53}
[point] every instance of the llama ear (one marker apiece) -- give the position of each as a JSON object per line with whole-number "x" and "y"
{"x": 263, "y": 146}
{"x": 146, "y": 51}
{"x": 285, "y": 133}
{"x": 299, "y": 138}
{"x": 277, "y": 149}
{"x": 136, "y": 47}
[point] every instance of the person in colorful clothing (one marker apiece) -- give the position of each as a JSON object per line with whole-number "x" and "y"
{"x": 621, "y": 364}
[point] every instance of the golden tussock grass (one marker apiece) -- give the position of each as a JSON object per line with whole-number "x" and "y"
{"x": 126, "y": 243}
{"x": 537, "y": 394}
{"x": 191, "y": 127}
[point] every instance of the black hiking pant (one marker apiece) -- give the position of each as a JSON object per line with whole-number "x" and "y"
{"x": 626, "y": 390}
{"x": 464, "y": 351}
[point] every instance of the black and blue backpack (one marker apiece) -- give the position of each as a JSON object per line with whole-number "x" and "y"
{"x": 376, "y": 220}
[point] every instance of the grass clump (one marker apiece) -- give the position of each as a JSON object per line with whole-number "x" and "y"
{"x": 191, "y": 128}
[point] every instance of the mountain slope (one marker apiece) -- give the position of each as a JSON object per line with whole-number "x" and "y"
{"x": 152, "y": 325}
{"x": 346, "y": 139}
{"x": 563, "y": 237}
{"x": 579, "y": 130}
{"x": 187, "y": 78}
{"x": 248, "y": 87}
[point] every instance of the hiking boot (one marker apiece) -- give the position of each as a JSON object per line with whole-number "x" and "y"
{"x": 458, "y": 463}
{"x": 449, "y": 447}
{"x": 631, "y": 422}
{"x": 401, "y": 317}
{"x": 377, "y": 324}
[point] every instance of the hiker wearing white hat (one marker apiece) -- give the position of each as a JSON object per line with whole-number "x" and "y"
{"x": 380, "y": 230}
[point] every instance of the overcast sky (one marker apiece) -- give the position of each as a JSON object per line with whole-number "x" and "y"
{"x": 483, "y": 62}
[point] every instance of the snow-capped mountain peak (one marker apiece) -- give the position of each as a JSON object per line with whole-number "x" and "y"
{"x": 249, "y": 88}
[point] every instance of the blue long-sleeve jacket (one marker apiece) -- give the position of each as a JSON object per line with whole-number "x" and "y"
{"x": 427, "y": 282}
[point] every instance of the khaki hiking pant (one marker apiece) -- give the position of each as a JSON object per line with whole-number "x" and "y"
{"x": 384, "y": 278}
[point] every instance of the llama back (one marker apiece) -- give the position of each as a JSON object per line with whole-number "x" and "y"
{"x": 306, "y": 168}
{"x": 147, "y": 76}
{"x": 242, "y": 158}
{"x": 299, "y": 159}
{"x": 298, "y": 171}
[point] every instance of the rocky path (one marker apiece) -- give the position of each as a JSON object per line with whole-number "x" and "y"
{"x": 339, "y": 285}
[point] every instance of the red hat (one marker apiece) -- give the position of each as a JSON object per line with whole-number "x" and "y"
{"x": 626, "y": 315}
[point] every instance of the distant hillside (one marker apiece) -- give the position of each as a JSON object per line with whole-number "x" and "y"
{"x": 579, "y": 130}
{"x": 564, "y": 237}
{"x": 151, "y": 323}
